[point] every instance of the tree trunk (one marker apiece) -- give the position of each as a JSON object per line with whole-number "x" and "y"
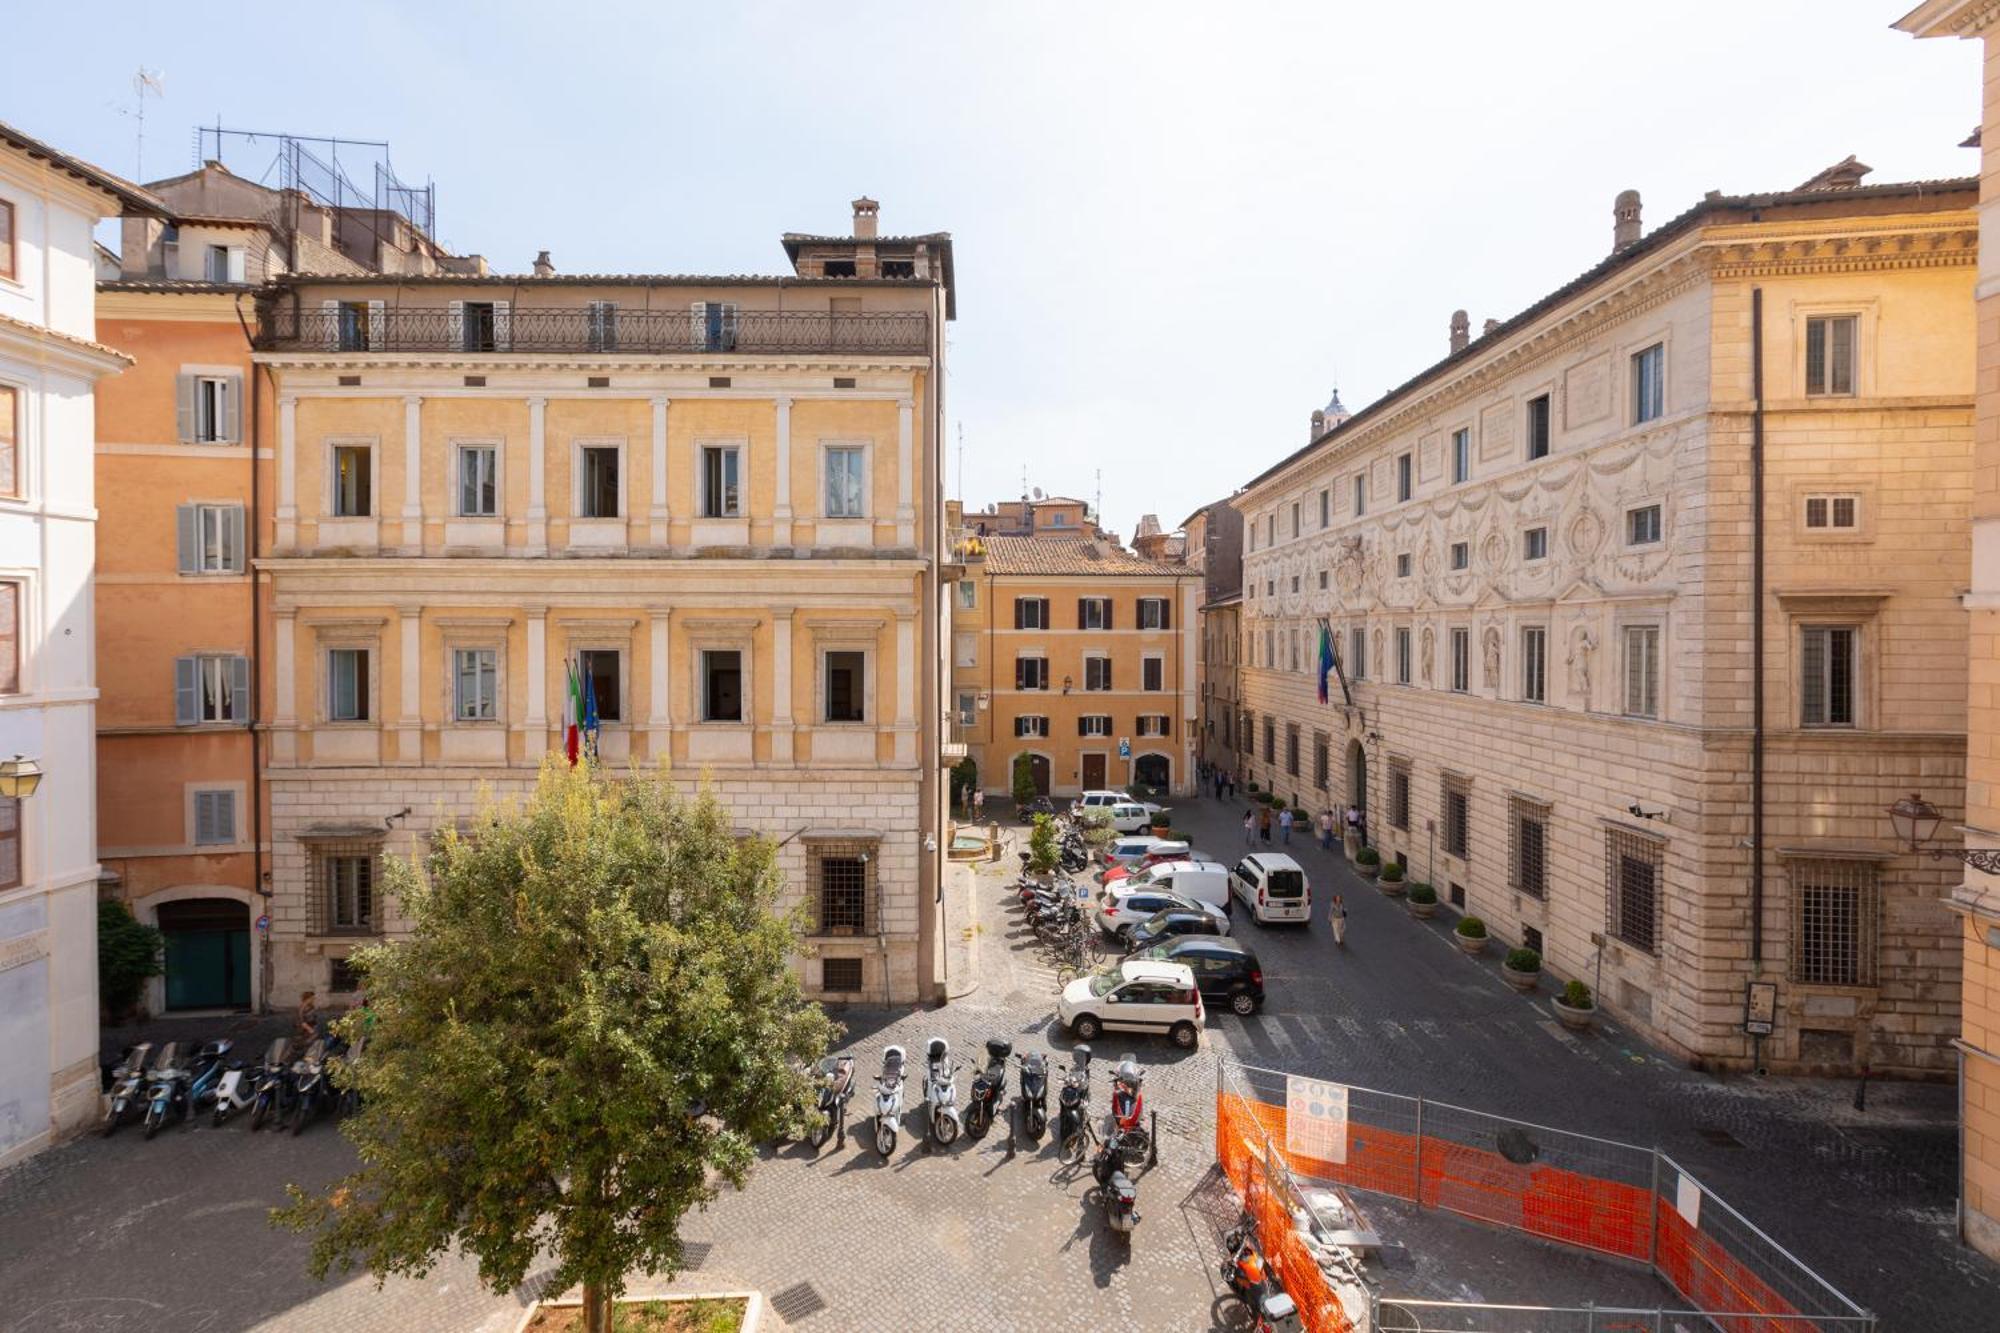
{"x": 596, "y": 1309}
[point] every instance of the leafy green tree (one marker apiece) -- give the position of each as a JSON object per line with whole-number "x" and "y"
{"x": 1042, "y": 852}
{"x": 1024, "y": 779}
{"x": 594, "y": 1016}
{"x": 129, "y": 954}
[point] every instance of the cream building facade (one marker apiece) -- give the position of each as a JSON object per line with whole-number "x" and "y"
{"x": 713, "y": 500}
{"x": 1555, "y": 597}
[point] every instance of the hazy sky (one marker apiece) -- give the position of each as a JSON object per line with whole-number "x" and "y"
{"x": 1177, "y": 226}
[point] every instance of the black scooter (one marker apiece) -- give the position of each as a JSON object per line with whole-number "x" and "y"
{"x": 273, "y": 1097}
{"x": 1073, "y": 1107}
{"x": 836, "y": 1087}
{"x": 989, "y": 1086}
{"x": 1033, "y": 1101}
{"x": 1115, "y": 1186}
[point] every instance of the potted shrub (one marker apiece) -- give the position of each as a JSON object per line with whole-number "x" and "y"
{"x": 1522, "y": 969}
{"x": 1470, "y": 932}
{"x": 1390, "y": 881}
{"x": 1368, "y": 863}
{"x": 1422, "y": 900}
{"x": 1575, "y": 1007}
{"x": 1163, "y": 827}
{"x": 1043, "y": 854}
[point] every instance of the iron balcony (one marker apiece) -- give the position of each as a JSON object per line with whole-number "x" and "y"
{"x": 477, "y": 328}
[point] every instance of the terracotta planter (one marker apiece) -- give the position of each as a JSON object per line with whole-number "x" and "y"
{"x": 1472, "y": 944}
{"x": 1523, "y": 982}
{"x": 1576, "y": 1020}
{"x": 1391, "y": 888}
{"x": 1423, "y": 911}
{"x": 1162, "y": 830}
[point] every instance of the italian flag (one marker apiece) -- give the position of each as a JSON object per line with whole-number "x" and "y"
{"x": 573, "y": 718}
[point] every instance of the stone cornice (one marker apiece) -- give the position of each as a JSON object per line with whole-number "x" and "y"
{"x": 1950, "y": 18}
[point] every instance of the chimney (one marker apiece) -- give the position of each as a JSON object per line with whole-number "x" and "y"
{"x": 865, "y": 210}
{"x": 1487, "y": 328}
{"x": 1461, "y": 330}
{"x": 1319, "y": 423}
{"x": 1624, "y": 220}
{"x": 543, "y": 268}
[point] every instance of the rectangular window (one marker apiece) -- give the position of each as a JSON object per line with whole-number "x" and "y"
{"x": 597, "y": 484}
{"x": 1151, "y": 724}
{"x": 1270, "y": 530}
{"x": 965, "y": 650}
{"x": 1096, "y": 673}
{"x": 10, "y": 638}
{"x": 722, "y": 685}
{"x": 968, "y": 594}
{"x": 1461, "y": 660}
{"x": 1833, "y": 513}
{"x": 1031, "y": 613}
{"x": 215, "y": 264}
{"x": 1295, "y": 518}
{"x": 1357, "y": 653}
{"x": 1028, "y": 724}
{"x": 1292, "y": 748}
{"x": 1826, "y": 676}
{"x": 837, "y": 975}
{"x": 1093, "y": 613}
{"x": 347, "y": 684}
{"x": 601, "y": 327}
{"x": 1538, "y": 427}
{"x": 1528, "y": 847}
{"x": 1152, "y": 673}
{"x": 212, "y": 411}
{"x": 1270, "y": 741}
{"x": 1535, "y": 544}
{"x": 1404, "y": 564}
{"x": 846, "y": 681}
{"x": 1094, "y": 724}
{"x": 843, "y": 894}
{"x": 1835, "y": 905}
{"x": 475, "y": 685}
{"x": 1153, "y": 613}
{"x": 210, "y": 539}
{"x": 721, "y": 481}
{"x": 1455, "y": 798}
{"x": 211, "y": 689}
{"x": 1649, "y": 383}
{"x": 1402, "y": 655}
{"x": 349, "y": 889}
{"x": 1632, "y": 866}
{"x": 353, "y": 481}
{"x": 1325, "y": 508}
{"x": 481, "y": 325}
{"x": 1405, "y": 476}
{"x": 1642, "y": 525}
{"x": 599, "y": 676}
{"x": 1535, "y": 664}
{"x": 351, "y": 332}
{"x": 1031, "y": 673}
{"x": 1830, "y": 355}
{"x": 10, "y": 440}
{"x": 1461, "y": 455}
{"x": 1322, "y": 756}
{"x": 1360, "y": 493}
{"x": 9, "y": 264}
{"x": 10, "y": 843}
{"x": 1399, "y": 794}
{"x": 478, "y": 481}
{"x": 1642, "y": 671}
{"x": 1461, "y": 555}
{"x": 214, "y": 818}
{"x": 968, "y": 708}
{"x": 846, "y": 481}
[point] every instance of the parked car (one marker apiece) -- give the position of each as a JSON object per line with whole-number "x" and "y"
{"x": 1104, "y": 800}
{"x": 1121, "y": 909}
{"x": 1203, "y": 881}
{"x": 1131, "y": 848}
{"x": 1273, "y": 886}
{"x": 1225, "y": 970}
{"x": 1157, "y": 849}
{"x": 1137, "y": 995}
{"x": 1130, "y": 816}
{"x": 1163, "y": 855}
{"x": 1172, "y": 922}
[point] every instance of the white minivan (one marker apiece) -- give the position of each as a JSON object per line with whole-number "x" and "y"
{"x": 1273, "y": 886}
{"x": 1203, "y": 881}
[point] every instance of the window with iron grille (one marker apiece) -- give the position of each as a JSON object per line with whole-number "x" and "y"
{"x": 1321, "y": 766}
{"x": 1830, "y": 355}
{"x": 1528, "y": 849}
{"x": 840, "y": 974}
{"x": 342, "y": 976}
{"x": 1399, "y": 794}
{"x": 1835, "y": 907}
{"x": 1633, "y": 866}
{"x": 1292, "y": 748}
{"x": 1270, "y": 741}
{"x": 341, "y": 886}
{"x": 1455, "y": 796}
{"x": 843, "y": 883}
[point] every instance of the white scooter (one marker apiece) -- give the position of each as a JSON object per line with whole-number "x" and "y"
{"x": 889, "y": 1100}
{"x": 941, "y": 1094}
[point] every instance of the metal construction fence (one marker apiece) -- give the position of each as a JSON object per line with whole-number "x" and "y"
{"x": 1611, "y": 1198}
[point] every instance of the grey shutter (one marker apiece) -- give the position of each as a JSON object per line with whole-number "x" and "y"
{"x": 455, "y": 323}
{"x": 378, "y": 326}
{"x": 503, "y": 326}
{"x": 239, "y": 689}
{"x": 230, "y": 429}
{"x": 188, "y": 522}
{"x": 215, "y": 817}
{"x": 1812, "y": 697}
{"x": 187, "y": 691}
{"x": 331, "y": 311}
{"x": 184, "y": 407}
{"x": 235, "y": 557}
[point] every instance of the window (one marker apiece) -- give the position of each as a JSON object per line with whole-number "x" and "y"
{"x": 1528, "y": 847}
{"x": 1270, "y": 530}
{"x": 597, "y": 481}
{"x": 347, "y": 685}
{"x": 9, "y": 265}
{"x": 223, "y": 263}
{"x": 1399, "y": 794}
{"x": 1031, "y": 613}
{"x": 346, "y": 896}
{"x": 601, "y": 325}
{"x": 1295, "y": 583}
{"x": 1152, "y": 724}
{"x": 214, "y": 818}
{"x": 1094, "y": 724}
{"x": 208, "y": 408}
{"x": 836, "y": 268}
{"x": 10, "y": 638}
{"x": 1826, "y": 676}
{"x": 10, "y": 440}
{"x": 1403, "y": 564}
{"x": 1322, "y": 766}
{"x": 722, "y": 685}
{"x": 968, "y": 594}
{"x": 1031, "y": 673}
{"x": 1405, "y": 476}
{"x": 1322, "y": 580}
{"x": 352, "y": 325}
{"x": 1642, "y": 671}
{"x": 1642, "y": 525}
{"x": 475, "y": 685}
{"x": 1270, "y": 741}
{"x": 1360, "y": 493}
{"x": 211, "y": 689}
{"x": 1461, "y": 660}
{"x": 1292, "y": 748}
{"x": 1325, "y": 509}
{"x": 1096, "y": 673}
{"x": 1632, "y": 865}
{"x": 1535, "y": 664}
{"x": 1093, "y": 613}
{"x": 1461, "y": 555}
{"x": 1538, "y": 427}
{"x": 1461, "y": 455}
{"x": 1153, "y": 613}
{"x": 1649, "y": 383}
{"x": 478, "y": 481}
{"x": 846, "y": 686}
{"x": 353, "y": 481}
{"x": 840, "y": 974}
{"x": 1825, "y": 513}
{"x": 899, "y": 268}
{"x": 1830, "y": 355}
{"x": 343, "y": 976}
{"x": 1152, "y": 673}
{"x": 1293, "y": 639}
{"x": 598, "y": 677}
{"x": 210, "y": 539}
{"x": 1535, "y": 544}
{"x": 1295, "y": 518}
{"x": 1834, "y": 911}
{"x": 1029, "y": 724}
{"x": 10, "y": 843}
{"x": 1402, "y": 655}
{"x": 1357, "y": 653}
{"x": 721, "y": 481}
{"x": 1455, "y": 798}
{"x": 846, "y": 481}
{"x": 842, "y": 876}
{"x": 480, "y": 323}
{"x": 968, "y": 708}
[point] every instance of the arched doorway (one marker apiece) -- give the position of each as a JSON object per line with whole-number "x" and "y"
{"x": 1357, "y": 778}
{"x": 1153, "y": 770}
{"x": 1038, "y": 770}
{"x": 208, "y": 953}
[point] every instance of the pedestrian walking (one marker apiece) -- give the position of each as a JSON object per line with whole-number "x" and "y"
{"x": 1264, "y": 824}
{"x": 309, "y": 1020}
{"x": 1326, "y": 830}
{"x": 1249, "y": 827}
{"x": 1336, "y": 916}
{"x": 1285, "y": 826}
{"x": 978, "y": 802}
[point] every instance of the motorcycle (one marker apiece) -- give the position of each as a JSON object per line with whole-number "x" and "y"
{"x": 989, "y": 1087}
{"x": 163, "y": 1088}
{"x": 1073, "y": 1108}
{"x": 128, "y": 1082}
{"x": 237, "y": 1090}
{"x": 210, "y": 1066}
{"x": 888, "y": 1100}
{"x": 1118, "y": 1191}
{"x": 273, "y": 1094}
{"x": 941, "y": 1094}
{"x": 836, "y": 1086}
{"x": 309, "y": 1085}
{"x": 1033, "y": 1099}
{"x": 1251, "y": 1281}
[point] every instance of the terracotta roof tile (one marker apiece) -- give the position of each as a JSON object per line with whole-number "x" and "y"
{"x": 133, "y": 197}
{"x": 43, "y": 331}
{"x": 1070, "y": 555}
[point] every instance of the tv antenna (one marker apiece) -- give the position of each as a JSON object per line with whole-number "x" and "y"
{"x": 961, "y": 463}
{"x": 145, "y": 83}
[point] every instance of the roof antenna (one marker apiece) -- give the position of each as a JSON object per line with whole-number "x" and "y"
{"x": 961, "y": 464}
{"x": 145, "y": 83}
{"x": 1097, "y": 500}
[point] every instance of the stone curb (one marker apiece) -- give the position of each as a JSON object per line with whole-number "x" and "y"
{"x": 753, "y": 1305}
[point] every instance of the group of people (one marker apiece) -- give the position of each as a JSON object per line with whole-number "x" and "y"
{"x": 1216, "y": 778}
{"x": 1258, "y": 823}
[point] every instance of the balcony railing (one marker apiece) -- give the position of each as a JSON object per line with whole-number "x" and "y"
{"x": 480, "y": 328}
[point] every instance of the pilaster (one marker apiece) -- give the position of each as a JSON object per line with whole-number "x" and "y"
{"x": 659, "y": 711}
{"x": 782, "y": 725}
{"x": 538, "y": 466}
{"x": 658, "y": 517}
{"x": 413, "y": 475}
{"x": 287, "y": 536}
{"x": 409, "y": 703}
{"x": 284, "y": 666}
{"x": 906, "y": 513}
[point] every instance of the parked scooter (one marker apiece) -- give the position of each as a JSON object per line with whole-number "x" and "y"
{"x": 165, "y": 1088}
{"x": 128, "y": 1085}
{"x": 941, "y": 1094}
{"x": 1033, "y": 1103}
{"x": 836, "y": 1087}
{"x": 310, "y": 1090}
{"x": 235, "y": 1092}
{"x": 989, "y": 1087}
{"x": 1251, "y": 1279}
{"x": 206, "y": 1073}
{"x": 1073, "y": 1108}
{"x": 1115, "y": 1187}
{"x": 273, "y": 1095}
{"x": 889, "y": 1100}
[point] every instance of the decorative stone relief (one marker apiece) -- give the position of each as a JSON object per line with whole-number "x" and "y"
{"x": 1428, "y": 654}
{"x": 1492, "y": 649}
{"x": 1582, "y": 648}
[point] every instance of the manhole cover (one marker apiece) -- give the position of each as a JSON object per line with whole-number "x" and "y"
{"x": 1719, "y": 1138}
{"x": 694, "y": 1253}
{"x": 795, "y": 1303}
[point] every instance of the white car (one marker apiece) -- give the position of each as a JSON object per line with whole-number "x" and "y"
{"x": 1273, "y": 886}
{"x": 1131, "y": 816}
{"x": 1138, "y": 995}
{"x": 1104, "y": 800}
{"x": 1133, "y": 848}
{"x": 1122, "y": 908}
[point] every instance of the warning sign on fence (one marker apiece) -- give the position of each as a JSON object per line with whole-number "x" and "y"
{"x": 1316, "y": 1118}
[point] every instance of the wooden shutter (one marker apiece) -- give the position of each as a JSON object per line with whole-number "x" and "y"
{"x": 236, "y": 265}
{"x": 455, "y": 325}
{"x": 184, "y": 387}
{"x": 230, "y": 429}
{"x": 1110, "y": 611}
{"x": 187, "y": 691}
{"x": 235, "y": 556}
{"x": 1020, "y": 673}
{"x": 1020, "y": 613}
{"x": 188, "y": 522}
{"x": 239, "y": 689}
{"x": 331, "y": 311}
{"x": 1082, "y": 613}
{"x": 215, "y": 817}
{"x": 503, "y": 326}
{"x": 378, "y": 326}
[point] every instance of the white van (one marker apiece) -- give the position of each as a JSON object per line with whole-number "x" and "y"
{"x": 1203, "y": 881}
{"x": 1104, "y": 800}
{"x": 1273, "y": 886}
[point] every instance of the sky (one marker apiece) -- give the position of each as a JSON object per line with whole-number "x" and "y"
{"x": 1177, "y": 227}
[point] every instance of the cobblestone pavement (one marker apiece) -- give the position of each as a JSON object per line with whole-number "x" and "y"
{"x": 122, "y": 1234}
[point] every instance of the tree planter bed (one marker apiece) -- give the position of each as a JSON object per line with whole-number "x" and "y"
{"x": 731, "y": 1312}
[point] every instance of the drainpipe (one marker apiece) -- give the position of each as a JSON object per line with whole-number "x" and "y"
{"x": 251, "y": 532}
{"x": 1756, "y": 630}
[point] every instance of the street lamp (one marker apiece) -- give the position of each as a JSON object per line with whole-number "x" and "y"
{"x": 19, "y": 777}
{"x": 1916, "y": 823}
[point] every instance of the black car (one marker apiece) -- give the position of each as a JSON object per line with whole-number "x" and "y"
{"x": 1172, "y": 922}
{"x": 1224, "y": 971}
